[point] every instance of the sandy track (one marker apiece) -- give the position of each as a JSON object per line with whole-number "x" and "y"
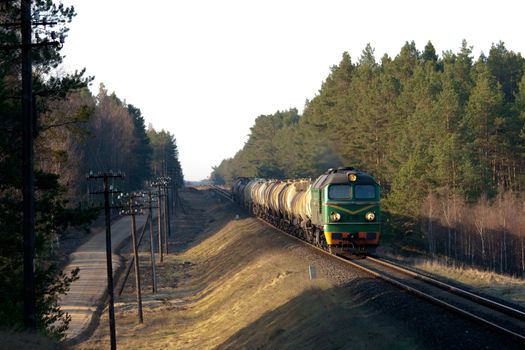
{"x": 90, "y": 290}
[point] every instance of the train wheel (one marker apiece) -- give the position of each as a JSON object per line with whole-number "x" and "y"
{"x": 304, "y": 235}
{"x": 310, "y": 236}
{"x": 325, "y": 245}
{"x": 317, "y": 238}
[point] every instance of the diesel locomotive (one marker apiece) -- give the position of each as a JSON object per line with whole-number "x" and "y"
{"x": 339, "y": 211}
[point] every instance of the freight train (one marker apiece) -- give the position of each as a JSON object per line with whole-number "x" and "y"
{"x": 338, "y": 212}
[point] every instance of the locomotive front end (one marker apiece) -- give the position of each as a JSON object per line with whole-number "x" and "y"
{"x": 348, "y": 211}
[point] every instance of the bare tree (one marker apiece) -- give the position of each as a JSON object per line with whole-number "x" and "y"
{"x": 63, "y": 130}
{"x": 480, "y": 214}
{"x": 428, "y": 214}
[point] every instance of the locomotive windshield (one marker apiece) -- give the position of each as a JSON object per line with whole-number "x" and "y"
{"x": 340, "y": 192}
{"x": 364, "y": 192}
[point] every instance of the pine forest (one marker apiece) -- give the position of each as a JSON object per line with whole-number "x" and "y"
{"x": 443, "y": 134}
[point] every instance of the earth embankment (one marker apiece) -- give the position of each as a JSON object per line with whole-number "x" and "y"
{"x": 233, "y": 282}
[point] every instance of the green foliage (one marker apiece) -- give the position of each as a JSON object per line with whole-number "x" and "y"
{"x": 165, "y": 156}
{"x": 52, "y": 214}
{"x": 419, "y": 122}
{"x": 52, "y": 218}
{"x": 142, "y": 151}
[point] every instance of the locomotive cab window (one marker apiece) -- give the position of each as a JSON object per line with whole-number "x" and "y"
{"x": 340, "y": 192}
{"x": 365, "y": 192}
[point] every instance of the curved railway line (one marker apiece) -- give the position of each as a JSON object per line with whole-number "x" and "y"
{"x": 502, "y": 318}
{"x": 505, "y": 319}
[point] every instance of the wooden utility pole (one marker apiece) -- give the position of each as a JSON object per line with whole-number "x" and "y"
{"x": 162, "y": 183}
{"x": 159, "y": 229}
{"x": 158, "y": 184}
{"x": 28, "y": 134}
{"x": 167, "y": 203}
{"x": 132, "y": 264}
{"x": 28, "y": 179}
{"x": 109, "y": 265}
{"x": 132, "y": 209}
{"x": 152, "y": 243}
{"x": 166, "y": 223}
{"x": 137, "y": 267}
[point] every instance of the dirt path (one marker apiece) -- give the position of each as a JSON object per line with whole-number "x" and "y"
{"x": 89, "y": 291}
{"x": 235, "y": 283}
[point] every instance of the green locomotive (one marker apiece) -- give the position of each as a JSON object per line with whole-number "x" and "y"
{"x": 345, "y": 207}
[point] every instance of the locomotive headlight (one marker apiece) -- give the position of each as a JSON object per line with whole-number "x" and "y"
{"x": 370, "y": 216}
{"x": 335, "y": 216}
{"x": 352, "y": 177}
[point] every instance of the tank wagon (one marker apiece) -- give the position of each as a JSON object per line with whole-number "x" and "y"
{"x": 339, "y": 211}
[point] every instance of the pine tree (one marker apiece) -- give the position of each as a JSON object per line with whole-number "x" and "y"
{"x": 140, "y": 170}
{"x": 51, "y": 213}
{"x": 481, "y": 130}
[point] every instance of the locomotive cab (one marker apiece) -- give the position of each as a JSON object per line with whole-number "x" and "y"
{"x": 345, "y": 210}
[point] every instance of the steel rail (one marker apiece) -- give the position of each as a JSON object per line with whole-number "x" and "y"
{"x": 450, "y": 288}
{"x": 403, "y": 286}
{"x": 440, "y": 302}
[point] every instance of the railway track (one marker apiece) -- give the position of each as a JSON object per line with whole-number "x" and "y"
{"x": 489, "y": 313}
{"x": 221, "y": 192}
{"x": 494, "y": 315}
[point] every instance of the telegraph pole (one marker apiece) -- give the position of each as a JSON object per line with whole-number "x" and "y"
{"x": 28, "y": 179}
{"x": 159, "y": 229}
{"x": 162, "y": 182}
{"x": 158, "y": 185}
{"x": 109, "y": 266}
{"x": 166, "y": 224}
{"x": 28, "y": 133}
{"x": 152, "y": 242}
{"x": 132, "y": 209}
{"x": 167, "y": 202}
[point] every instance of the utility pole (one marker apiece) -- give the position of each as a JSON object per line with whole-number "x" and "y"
{"x": 109, "y": 266}
{"x": 167, "y": 203}
{"x": 165, "y": 221}
{"x": 133, "y": 208}
{"x": 162, "y": 183}
{"x": 151, "y": 243}
{"x": 158, "y": 185}
{"x": 28, "y": 134}
{"x": 28, "y": 179}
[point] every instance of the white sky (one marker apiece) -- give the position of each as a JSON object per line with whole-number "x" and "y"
{"x": 205, "y": 69}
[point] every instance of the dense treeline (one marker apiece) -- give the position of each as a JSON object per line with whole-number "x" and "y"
{"x": 422, "y": 124}
{"x": 75, "y": 132}
{"x": 107, "y": 134}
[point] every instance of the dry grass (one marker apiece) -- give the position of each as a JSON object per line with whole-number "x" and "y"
{"x": 227, "y": 287}
{"x": 239, "y": 287}
{"x": 505, "y": 287}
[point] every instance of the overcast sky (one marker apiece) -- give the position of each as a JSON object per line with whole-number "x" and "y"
{"x": 204, "y": 70}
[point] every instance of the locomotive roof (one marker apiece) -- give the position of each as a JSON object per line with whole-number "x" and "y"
{"x": 340, "y": 176}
